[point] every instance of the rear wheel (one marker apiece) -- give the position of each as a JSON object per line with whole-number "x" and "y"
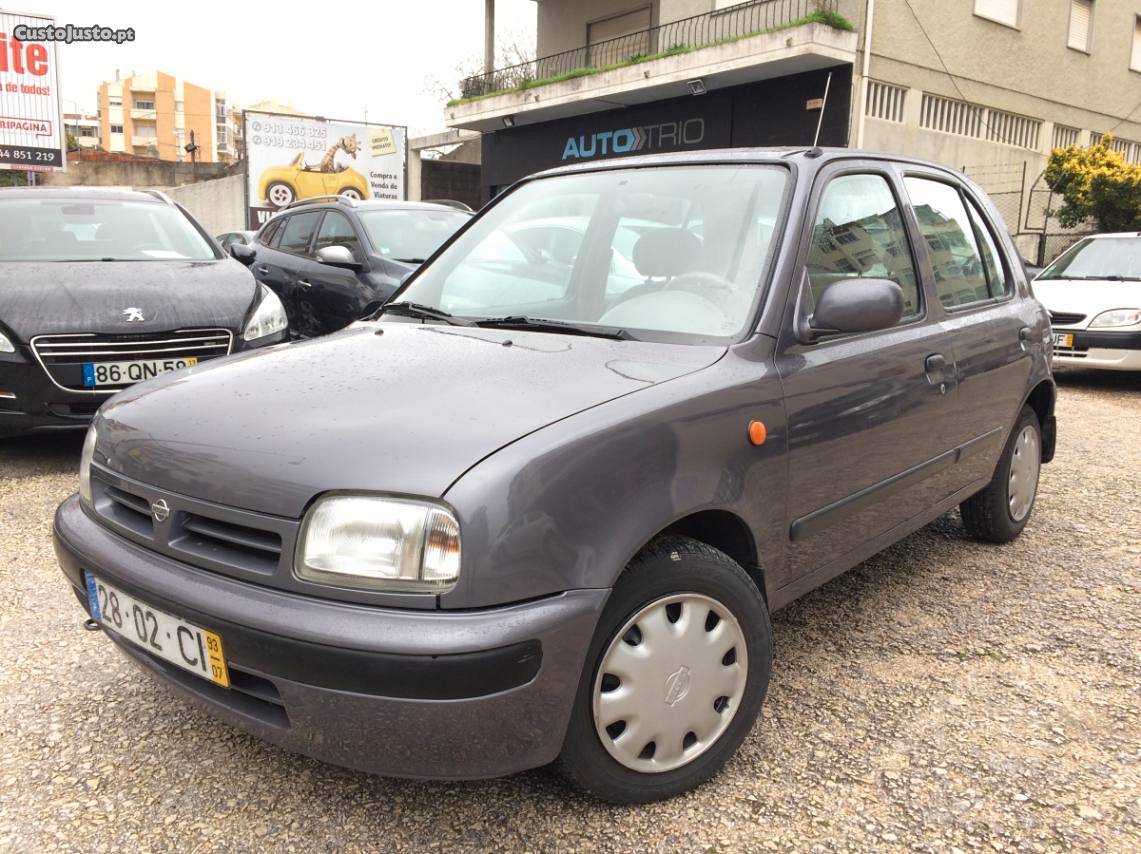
{"x": 351, "y": 193}
{"x": 675, "y": 677}
{"x": 1001, "y": 510}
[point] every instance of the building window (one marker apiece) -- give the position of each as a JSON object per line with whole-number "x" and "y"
{"x": 114, "y": 102}
{"x": 950, "y": 116}
{"x": 1135, "y": 62}
{"x": 87, "y": 131}
{"x": 885, "y": 101}
{"x": 1081, "y": 24}
{"x": 1000, "y": 11}
{"x": 1065, "y": 136}
{"x": 116, "y": 128}
{"x": 179, "y": 106}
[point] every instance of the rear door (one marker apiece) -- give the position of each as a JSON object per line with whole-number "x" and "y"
{"x": 975, "y": 287}
{"x": 863, "y": 410}
{"x": 332, "y": 297}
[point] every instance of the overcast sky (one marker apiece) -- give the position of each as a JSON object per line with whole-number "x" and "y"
{"x": 335, "y": 59}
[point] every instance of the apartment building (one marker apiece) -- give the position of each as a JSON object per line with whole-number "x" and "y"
{"x": 157, "y": 115}
{"x": 83, "y": 128}
{"x": 987, "y": 86}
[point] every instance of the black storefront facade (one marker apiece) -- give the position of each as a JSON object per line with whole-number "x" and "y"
{"x": 778, "y": 111}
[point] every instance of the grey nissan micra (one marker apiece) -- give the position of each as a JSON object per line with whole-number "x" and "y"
{"x": 541, "y": 505}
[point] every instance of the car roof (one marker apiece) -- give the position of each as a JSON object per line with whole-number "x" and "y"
{"x": 118, "y": 194}
{"x": 374, "y": 204}
{"x": 814, "y": 156}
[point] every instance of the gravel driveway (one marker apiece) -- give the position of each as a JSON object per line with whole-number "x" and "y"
{"x": 943, "y": 695}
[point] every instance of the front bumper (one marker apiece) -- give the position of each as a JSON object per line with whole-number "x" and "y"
{"x": 1107, "y": 350}
{"x": 30, "y": 402}
{"x": 396, "y": 692}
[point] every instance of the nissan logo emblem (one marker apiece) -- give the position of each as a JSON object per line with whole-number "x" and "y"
{"x": 161, "y": 510}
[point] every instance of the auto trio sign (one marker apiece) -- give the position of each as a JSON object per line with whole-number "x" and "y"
{"x": 293, "y": 157}
{"x": 31, "y": 130}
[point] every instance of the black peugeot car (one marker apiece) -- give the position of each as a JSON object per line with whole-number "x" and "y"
{"x": 101, "y": 288}
{"x": 332, "y": 259}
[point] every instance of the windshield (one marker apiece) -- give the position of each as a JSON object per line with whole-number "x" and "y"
{"x": 410, "y": 235}
{"x": 676, "y": 249}
{"x": 98, "y": 230}
{"x": 1102, "y": 258}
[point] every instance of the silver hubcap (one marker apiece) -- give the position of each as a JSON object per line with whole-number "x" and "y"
{"x": 670, "y": 682}
{"x": 351, "y": 194}
{"x": 1023, "y": 484}
{"x": 280, "y": 195}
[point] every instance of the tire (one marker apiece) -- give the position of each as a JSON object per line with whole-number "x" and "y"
{"x": 999, "y": 512}
{"x": 692, "y": 579}
{"x": 282, "y": 191}
{"x": 351, "y": 193}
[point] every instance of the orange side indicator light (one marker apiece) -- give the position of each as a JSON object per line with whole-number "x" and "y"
{"x": 757, "y": 432}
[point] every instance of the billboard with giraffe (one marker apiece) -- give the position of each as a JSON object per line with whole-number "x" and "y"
{"x": 295, "y": 157}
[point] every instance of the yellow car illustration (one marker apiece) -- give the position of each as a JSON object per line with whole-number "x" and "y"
{"x": 280, "y": 185}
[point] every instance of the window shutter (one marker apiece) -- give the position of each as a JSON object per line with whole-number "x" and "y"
{"x": 1081, "y": 11}
{"x": 1135, "y": 64}
{"x": 1004, "y": 11}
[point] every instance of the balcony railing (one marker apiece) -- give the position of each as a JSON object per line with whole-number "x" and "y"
{"x": 670, "y": 39}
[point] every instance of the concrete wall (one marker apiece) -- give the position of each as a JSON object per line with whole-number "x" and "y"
{"x": 144, "y": 173}
{"x": 220, "y": 205}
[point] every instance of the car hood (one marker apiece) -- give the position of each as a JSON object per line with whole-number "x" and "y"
{"x": 1086, "y": 297}
{"x": 37, "y": 298}
{"x": 392, "y": 407}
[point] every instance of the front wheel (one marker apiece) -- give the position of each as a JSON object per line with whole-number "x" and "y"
{"x": 351, "y": 193}
{"x": 1001, "y": 510}
{"x": 675, "y": 677}
{"x": 279, "y": 194}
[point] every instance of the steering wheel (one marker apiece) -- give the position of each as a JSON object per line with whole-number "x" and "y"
{"x": 709, "y": 286}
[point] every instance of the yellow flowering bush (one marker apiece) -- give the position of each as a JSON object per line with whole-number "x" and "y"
{"x": 1096, "y": 183}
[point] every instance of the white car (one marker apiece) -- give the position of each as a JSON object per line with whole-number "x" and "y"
{"x": 1093, "y": 294}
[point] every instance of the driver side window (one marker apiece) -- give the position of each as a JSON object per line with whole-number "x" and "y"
{"x": 859, "y": 233}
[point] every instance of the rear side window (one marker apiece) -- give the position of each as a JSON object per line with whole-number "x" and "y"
{"x": 298, "y": 231}
{"x": 859, "y": 234}
{"x": 996, "y": 277}
{"x": 961, "y": 276}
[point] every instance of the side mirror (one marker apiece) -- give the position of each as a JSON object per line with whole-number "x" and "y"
{"x": 855, "y": 305}
{"x": 243, "y": 252}
{"x": 338, "y": 256}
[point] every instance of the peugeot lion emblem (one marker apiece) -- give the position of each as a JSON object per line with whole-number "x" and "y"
{"x": 133, "y": 315}
{"x": 161, "y": 510}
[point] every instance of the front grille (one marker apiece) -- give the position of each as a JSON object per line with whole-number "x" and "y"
{"x": 1072, "y": 352}
{"x": 238, "y": 545}
{"x": 63, "y": 356}
{"x": 1062, "y": 318}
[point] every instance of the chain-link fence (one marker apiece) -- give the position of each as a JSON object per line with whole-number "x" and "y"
{"x": 1026, "y": 203}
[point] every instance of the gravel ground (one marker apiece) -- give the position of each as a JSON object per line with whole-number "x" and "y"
{"x": 944, "y": 695}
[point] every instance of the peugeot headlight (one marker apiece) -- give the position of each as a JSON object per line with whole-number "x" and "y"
{"x": 85, "y": 466}
{"x": 1117, "y": 317}
{"x": 373, "y": 542}
{"x": 6, "y": 345}
{"x": 268, "y": 318}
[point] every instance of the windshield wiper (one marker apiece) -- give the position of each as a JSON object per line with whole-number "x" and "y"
{"x": 410, "y": 260}
{"x": 425, "y": 312}
{"x": 521, "y": 321}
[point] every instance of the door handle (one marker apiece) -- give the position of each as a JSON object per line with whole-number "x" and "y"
{"x": 304, "y": 283}
{"x": 262, "y": 270}
{"x": 935, "y": 366}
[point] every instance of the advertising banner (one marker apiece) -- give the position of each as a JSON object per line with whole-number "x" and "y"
{"x": 295, "y": 157}
{"x": 31, "y": 130}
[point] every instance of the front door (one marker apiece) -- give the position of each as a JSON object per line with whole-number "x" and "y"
{"x": 864, "y": 410}
{"x": 332, "y": 297}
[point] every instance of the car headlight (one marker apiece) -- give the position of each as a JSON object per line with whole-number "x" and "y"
{"x": 1117, "y": 317}
{"x": 85, "y": 466}
{"x": 268, "y": 318}
{"x": 377, "y": 543}
{"x": 6, "y": 345}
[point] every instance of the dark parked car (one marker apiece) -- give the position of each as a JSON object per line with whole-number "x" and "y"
{"x": 227, "y": 240}
{"x": 101, "y": 288}
{"x": 332, "y": 259}
{"x": 502, "y": 525}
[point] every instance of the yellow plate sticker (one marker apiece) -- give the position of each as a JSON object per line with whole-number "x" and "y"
{"x": 192, "y": 360}
{"x": 218, "y": 672}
